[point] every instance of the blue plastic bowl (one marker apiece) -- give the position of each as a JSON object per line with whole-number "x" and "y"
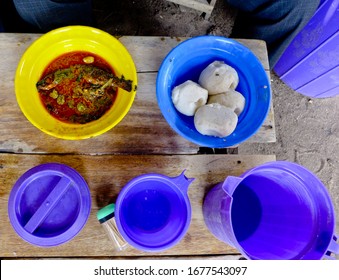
{"x": 187, "y": 60}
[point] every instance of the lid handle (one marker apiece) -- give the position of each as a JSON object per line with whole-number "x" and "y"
{"x": 48, "y": 204}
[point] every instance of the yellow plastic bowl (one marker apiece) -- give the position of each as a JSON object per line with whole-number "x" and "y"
{"x": 50, "y": 46}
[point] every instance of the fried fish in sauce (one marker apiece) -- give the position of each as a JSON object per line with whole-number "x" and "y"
{"x": 89, "y": 73}
{"x": 80, "y": 93}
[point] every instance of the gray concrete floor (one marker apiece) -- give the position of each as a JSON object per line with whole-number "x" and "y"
{"x": 307, "y": 129}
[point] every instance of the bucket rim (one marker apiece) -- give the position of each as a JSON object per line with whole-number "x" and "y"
{"x": 286, "y": 166}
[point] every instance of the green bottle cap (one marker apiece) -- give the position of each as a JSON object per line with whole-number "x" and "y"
{"x": 106, "y": 213}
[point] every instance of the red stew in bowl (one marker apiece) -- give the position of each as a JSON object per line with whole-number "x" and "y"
{"x": 78, "y": 87}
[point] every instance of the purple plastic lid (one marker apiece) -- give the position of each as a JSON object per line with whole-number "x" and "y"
{"x": 49, "y": 204}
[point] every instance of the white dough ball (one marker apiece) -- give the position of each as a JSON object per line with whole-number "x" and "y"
{"x": 231, "y": 99}
{"x": 188, "y": 97}
{"x": 215, "y": 120}
{"x": 218, "y": 77}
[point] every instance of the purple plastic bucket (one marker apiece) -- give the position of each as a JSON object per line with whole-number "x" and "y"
{"x": 153, "y": 211}
{"x": 278, "y": 210}
{"x": 309, "y": 65}
{"x": 49, "y": 204}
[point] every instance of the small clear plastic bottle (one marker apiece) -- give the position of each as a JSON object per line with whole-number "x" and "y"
{"x": 106, "y": 218}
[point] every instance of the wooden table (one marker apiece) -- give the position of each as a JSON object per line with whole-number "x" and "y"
{"x": 142, "y": 143}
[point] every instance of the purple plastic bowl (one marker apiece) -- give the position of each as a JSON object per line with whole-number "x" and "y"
{"x": 49, "y": 204}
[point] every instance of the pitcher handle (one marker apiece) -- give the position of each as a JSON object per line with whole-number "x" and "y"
{"x": 230, "y": 184}
{"x": 182, "y": 182}
{"x": 333, "y": 248}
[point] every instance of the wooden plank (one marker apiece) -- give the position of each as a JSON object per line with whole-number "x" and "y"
{"x": 199, "y": 5}
{"x": 106, "y": 175}
{"x": 259, "y": 48}
{"x": 143, "y": 124}
{"x": 148, "y": 52}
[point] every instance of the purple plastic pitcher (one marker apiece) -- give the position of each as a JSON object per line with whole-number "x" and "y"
{"x": 153, "y": 211}
{"x": 278, "y": 210}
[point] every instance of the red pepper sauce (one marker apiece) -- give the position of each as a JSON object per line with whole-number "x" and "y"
{"x": 63, "y": 104}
